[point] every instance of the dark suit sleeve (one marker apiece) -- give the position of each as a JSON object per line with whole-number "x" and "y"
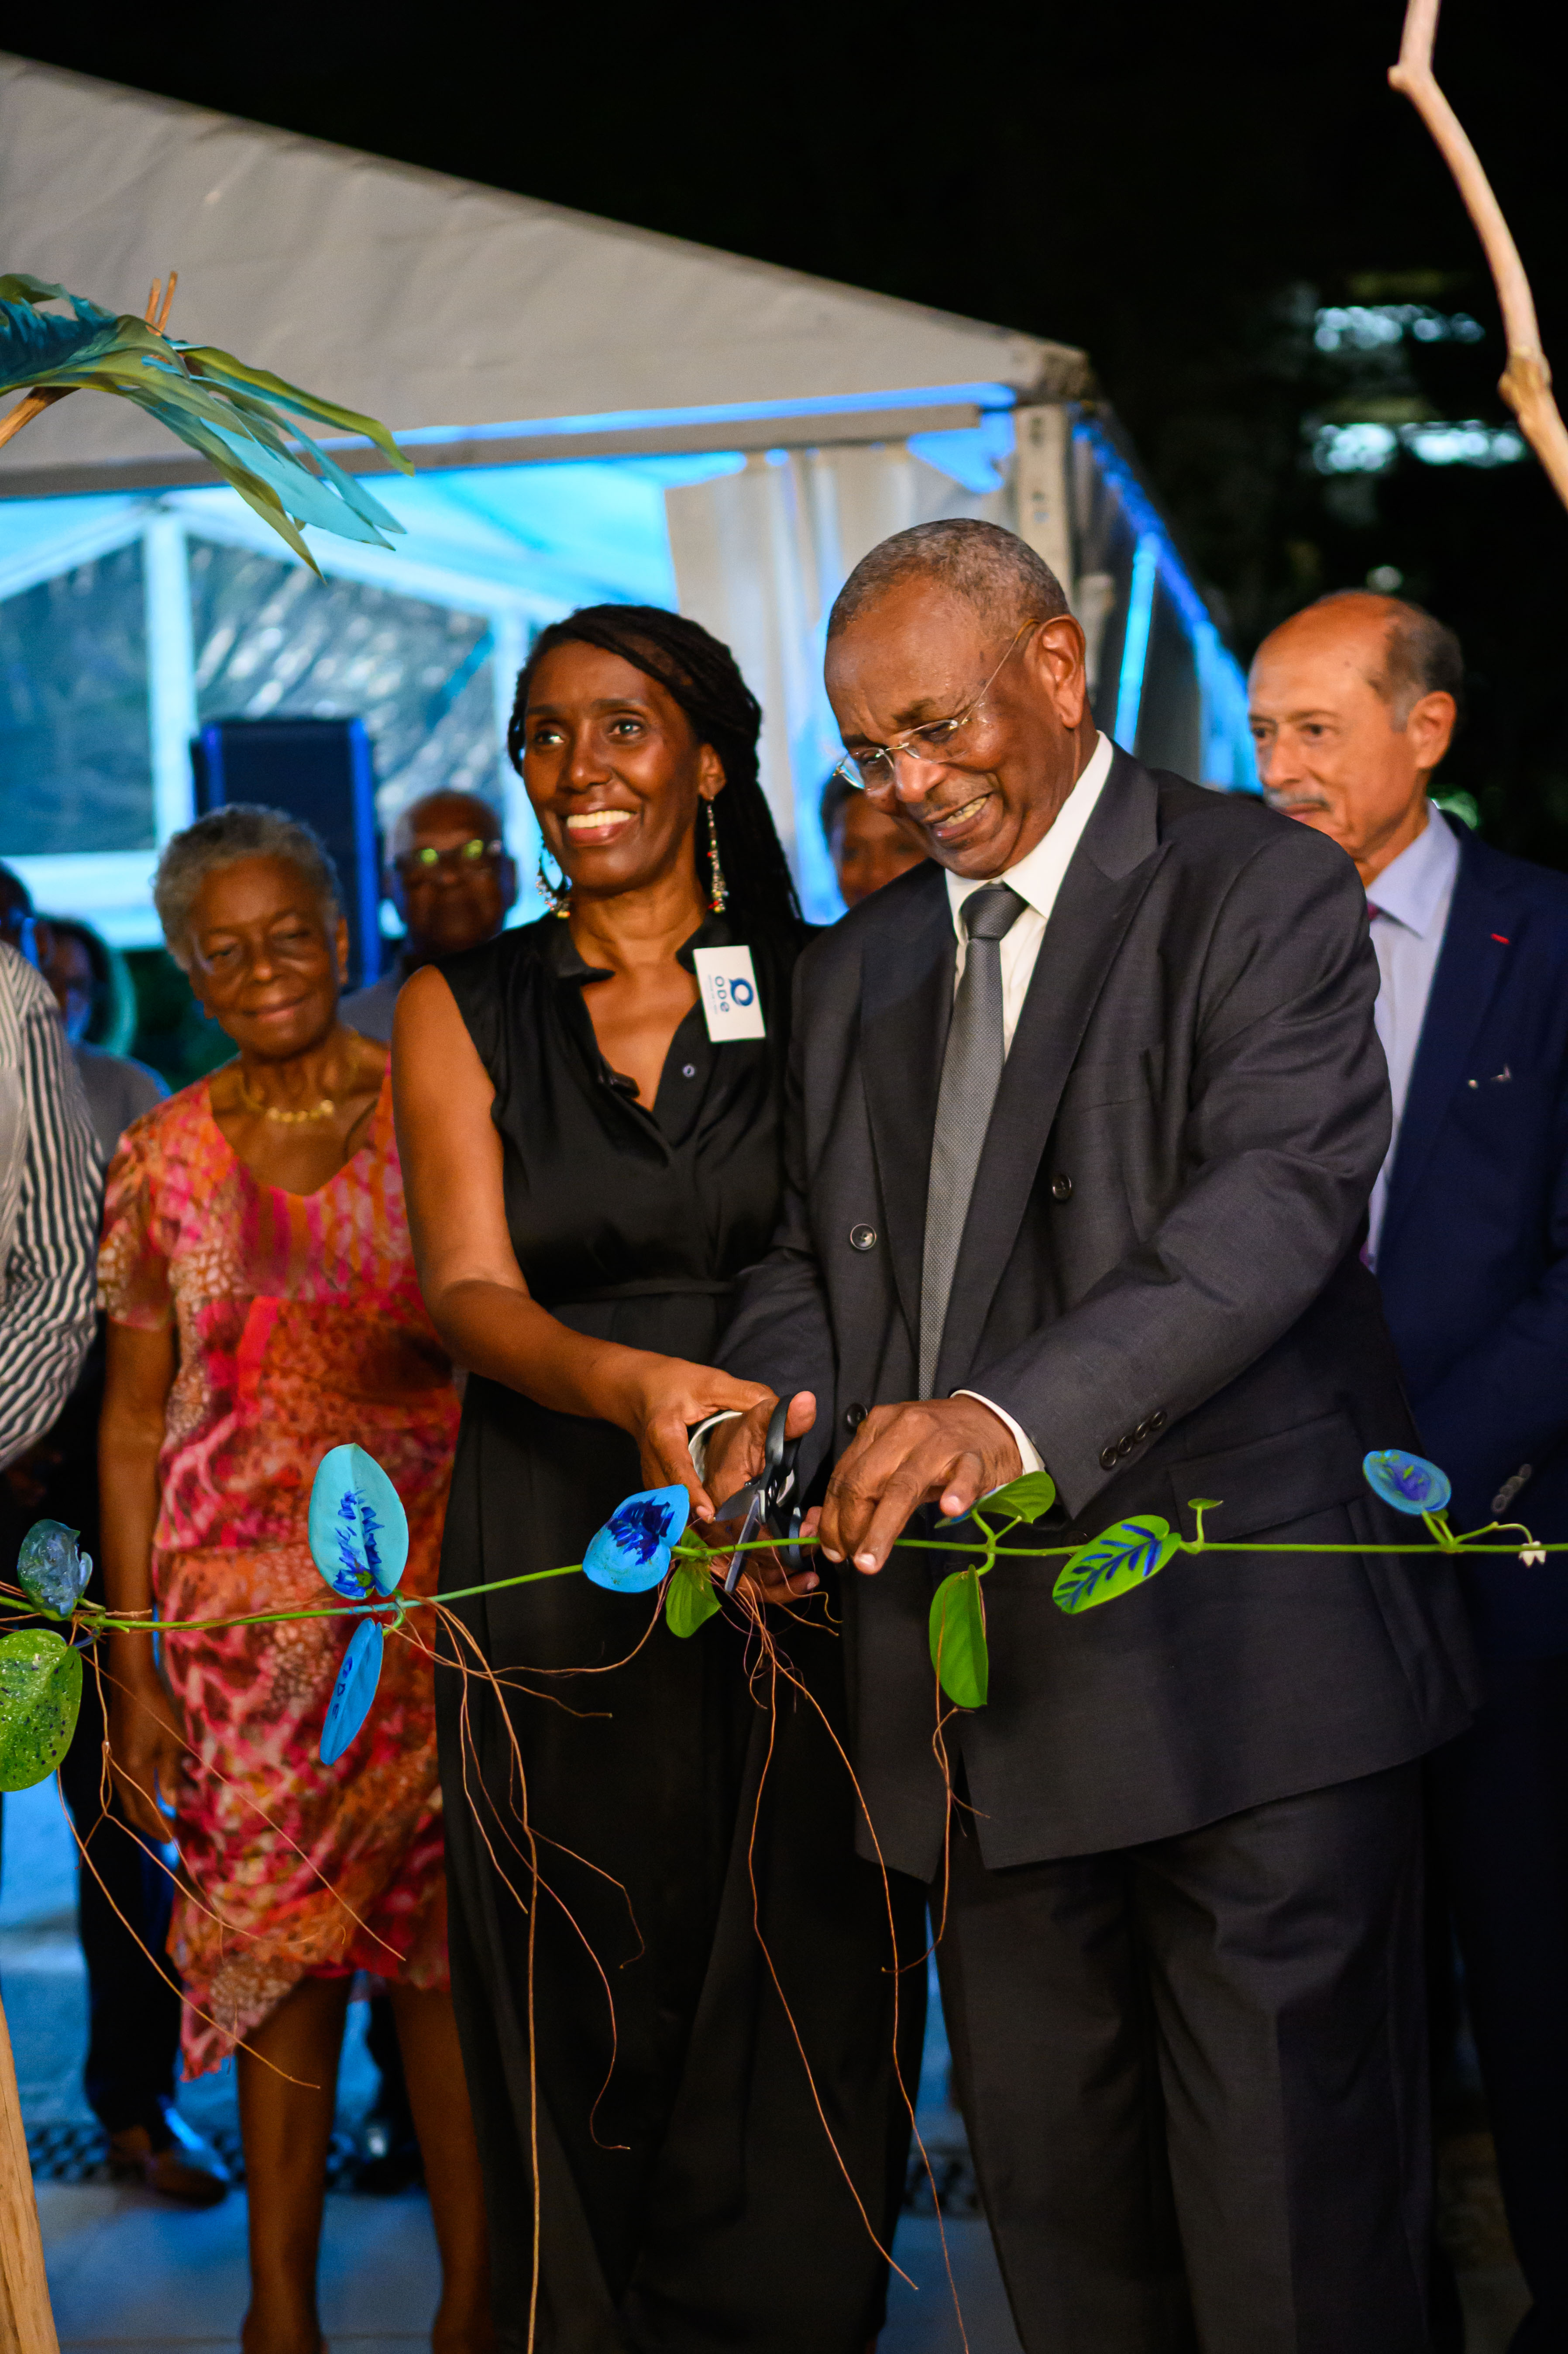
{"x": 780, "y": 1331}
{"x": 1287, "y": 1124}
{"x": 1505, "y": 1401}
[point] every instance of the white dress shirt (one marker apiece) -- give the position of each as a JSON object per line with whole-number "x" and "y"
{"x": 1409, "y": 905}
{"x": 1037, "y": 879}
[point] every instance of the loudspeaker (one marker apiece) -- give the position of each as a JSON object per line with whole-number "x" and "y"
{"x": 318, "y": 769}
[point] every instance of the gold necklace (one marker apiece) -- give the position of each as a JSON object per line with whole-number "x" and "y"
{"x": 323, "y": 1110}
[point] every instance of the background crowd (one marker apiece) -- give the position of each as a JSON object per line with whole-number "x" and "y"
{"x": 587, "y": 1174}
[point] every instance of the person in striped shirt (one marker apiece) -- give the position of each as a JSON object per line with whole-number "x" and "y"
{"x": 50, "y": 1181}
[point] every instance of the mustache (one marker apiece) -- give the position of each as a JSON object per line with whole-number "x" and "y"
{"x": 1287, "y": 800}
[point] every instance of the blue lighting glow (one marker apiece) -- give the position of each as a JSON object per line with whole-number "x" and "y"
{"x": 1227, "y": 758}
{"x": 636, "y": 420}
{"x": 1135, "y": 639}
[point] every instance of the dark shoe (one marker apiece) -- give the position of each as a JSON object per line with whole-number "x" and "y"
{"x": 389, "y": 2158}
{"x": 173, "y": 2161}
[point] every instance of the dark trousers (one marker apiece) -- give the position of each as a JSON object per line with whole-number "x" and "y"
{"x": 1195, "y": 2078}
{"x": 134, "y": 2033}
{"x": 1501, "y": 1815}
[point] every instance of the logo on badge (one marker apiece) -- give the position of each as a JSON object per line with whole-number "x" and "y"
{"x": 728, "y": 988}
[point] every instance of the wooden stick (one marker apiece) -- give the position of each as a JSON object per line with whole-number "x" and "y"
{"x": 1526, "y": 382}
{"x": 30, "y": 405}
{"x": 27, "y": 2321}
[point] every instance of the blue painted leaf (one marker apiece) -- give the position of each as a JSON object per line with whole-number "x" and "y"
{"x": 958, "y": 1650}
{"x": 353, "y": 1691}
{"x": 1113, "y": 1562}
{"x": 359, "y": 1529}
{"x": 50, "y": 1572}
{"x": 631, "y": 1551}
{"x": 1408, "y": 1482}
{"x": 40, "y": 1694}
{"x": 690, "y": 1599}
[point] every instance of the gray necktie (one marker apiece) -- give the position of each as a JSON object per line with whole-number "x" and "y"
{"x": 971, "y": 1073}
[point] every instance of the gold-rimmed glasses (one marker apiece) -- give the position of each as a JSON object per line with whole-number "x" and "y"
{"x": 930, "y": 745}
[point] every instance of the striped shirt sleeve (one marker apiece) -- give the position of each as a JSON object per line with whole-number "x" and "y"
{"x": 51, "y": 1186}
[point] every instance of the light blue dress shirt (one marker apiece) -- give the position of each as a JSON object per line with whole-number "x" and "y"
{"x": 1409, "y": 904}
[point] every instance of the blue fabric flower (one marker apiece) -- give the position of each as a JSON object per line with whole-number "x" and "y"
{"x": 51, "y": 1571}
{"x": 359, "y": 1530}
{"x": 359, "y": 1541}
{"x": 1408, "y": 1482}
{"x": 631, "y": 1551}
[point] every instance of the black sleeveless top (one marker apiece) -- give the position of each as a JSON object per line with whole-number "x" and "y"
{"x": 608, "y": 1199}
{"x": 676, "y": 1813}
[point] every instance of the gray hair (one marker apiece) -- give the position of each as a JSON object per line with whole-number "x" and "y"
{"x": 1421, "y": 656}
{"x": 990, "y": 568}
{"x": 224, "y": 836}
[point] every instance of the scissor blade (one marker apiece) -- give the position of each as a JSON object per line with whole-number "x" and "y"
{"x": 742, "y": 1500}
{"x": 749, "y": 1527}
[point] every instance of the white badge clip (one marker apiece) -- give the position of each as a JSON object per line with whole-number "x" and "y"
{"x": 731, "y": 1006}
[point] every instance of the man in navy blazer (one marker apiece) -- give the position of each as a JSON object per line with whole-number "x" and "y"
{"x": 1353, "y": 706}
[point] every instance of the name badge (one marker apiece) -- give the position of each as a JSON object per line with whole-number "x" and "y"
{"x": 731, "y": 1006}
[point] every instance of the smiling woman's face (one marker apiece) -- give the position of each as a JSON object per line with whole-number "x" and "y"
{"x": 267, "y": 962}
{"x": 614, "y": 770}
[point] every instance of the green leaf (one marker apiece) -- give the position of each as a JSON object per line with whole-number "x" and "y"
{"x": 690, "y": 1599}
{"x": 1203, "y": 1503}
{"x": 959, "y": 1651}
{"x": 1027, "y": 1499}
{"x": 40, "y": 1693}
{"x": 1114, "y": 1562}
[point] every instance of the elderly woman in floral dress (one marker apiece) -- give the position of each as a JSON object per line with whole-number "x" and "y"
{"x": 262, "y": 1307}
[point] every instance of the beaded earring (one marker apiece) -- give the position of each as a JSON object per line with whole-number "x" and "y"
{"x": 558, "y": 897}
{"x": 718, "y": 892}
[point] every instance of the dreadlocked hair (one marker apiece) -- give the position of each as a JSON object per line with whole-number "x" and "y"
{"x": 703, "y": 676}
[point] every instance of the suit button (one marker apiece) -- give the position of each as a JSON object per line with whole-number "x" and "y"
{"x": 1141, "y": 1433}
{"x": 1061, "y": 1189}
{"x": 853, "y": 1417}
{"x": 862, "y": 1238}
{"x": 1158, "y": 1419}
{"x": 1126, "y": 1447}
{"x": 1108, "y": 1459}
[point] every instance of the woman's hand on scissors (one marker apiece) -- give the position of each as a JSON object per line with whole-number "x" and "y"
{"x": 737, "y": 1455}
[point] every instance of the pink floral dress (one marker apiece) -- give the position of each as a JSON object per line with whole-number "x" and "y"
{"x": 299, "y": 1325}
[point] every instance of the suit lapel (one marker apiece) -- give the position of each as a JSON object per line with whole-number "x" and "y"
{"x": 1475, "y": 946}
{"x": 1111, "y": 869}
{"x": 906, "y": 1000}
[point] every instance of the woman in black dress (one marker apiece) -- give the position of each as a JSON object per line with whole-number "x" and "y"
{"x": 588, "y": 1172}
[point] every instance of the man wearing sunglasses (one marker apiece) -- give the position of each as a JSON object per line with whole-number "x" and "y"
{"x": 450, "y": 879}
{"x": 1089, "y": 1110}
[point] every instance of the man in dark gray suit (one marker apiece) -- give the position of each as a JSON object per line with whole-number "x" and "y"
{"x": 1085, "y": 1118}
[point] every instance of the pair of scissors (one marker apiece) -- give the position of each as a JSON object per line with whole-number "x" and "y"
{"x": 766, "y": 1500}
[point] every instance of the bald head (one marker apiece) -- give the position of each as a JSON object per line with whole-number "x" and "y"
{"x": 441, "y": 811}
{"x": 1353, "y": 704}
{"x": 448, "y": 874}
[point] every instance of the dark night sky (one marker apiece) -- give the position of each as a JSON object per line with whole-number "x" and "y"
{"x": 1159, "y": 184}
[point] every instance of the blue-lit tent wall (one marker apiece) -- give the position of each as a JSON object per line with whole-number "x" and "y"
{"x": 129, "y": 620}
{"x": 699, "y": 430}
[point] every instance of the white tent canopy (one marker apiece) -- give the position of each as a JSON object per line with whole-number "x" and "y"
{"x": 430, "y": 303}
{"x": 595, "y": 411}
